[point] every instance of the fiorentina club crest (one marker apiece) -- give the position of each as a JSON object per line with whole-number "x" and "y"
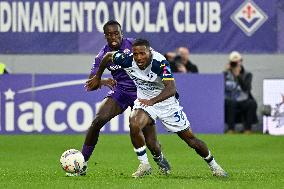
{"x": 249, "y": 17}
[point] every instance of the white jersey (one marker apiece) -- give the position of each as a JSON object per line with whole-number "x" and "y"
{"x": 149, "y": 85}
{"x": 148, "y": 81}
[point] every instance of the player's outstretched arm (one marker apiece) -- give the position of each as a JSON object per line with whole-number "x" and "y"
{"x": 107, "y": 58}
{"x": 108, "y": 82}
{"x": 167, "y": 92}
{"x": 95, "y": 82}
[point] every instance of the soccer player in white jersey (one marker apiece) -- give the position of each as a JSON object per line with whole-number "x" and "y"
{"x": 157, "y": 98}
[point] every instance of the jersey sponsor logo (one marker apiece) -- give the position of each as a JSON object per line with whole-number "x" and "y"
{"x": 114, "y": 67}
{"x": 249, "y": 17}
{"x": 126, "y": 51}
{"x": 150, "y": 75}
{"x": 144, "y": 85}
{"x": 166, "y": 72}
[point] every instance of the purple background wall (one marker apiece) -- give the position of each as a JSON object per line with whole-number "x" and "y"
{"x": 58, "y": 104}
{"x": 217, "y": 33}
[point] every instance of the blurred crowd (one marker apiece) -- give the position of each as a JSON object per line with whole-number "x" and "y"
{"x": 240, "y": 105}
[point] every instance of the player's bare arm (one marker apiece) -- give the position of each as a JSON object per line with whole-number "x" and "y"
{"x": 95, "y": 82}
{"x": 108, "y": 82}
{"x": 167, "y": 92}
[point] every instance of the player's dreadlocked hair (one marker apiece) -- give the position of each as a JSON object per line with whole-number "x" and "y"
{"x": 111, "y": 22}
{"x": 141, "y": 42}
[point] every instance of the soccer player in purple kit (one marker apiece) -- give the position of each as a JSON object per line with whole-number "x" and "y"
{"x": 123, "y": 94}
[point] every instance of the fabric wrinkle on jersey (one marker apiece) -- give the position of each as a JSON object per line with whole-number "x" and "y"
{"x": 125, "y": 92}
{"x": 148, "y": 81}
{"x": 149, "y": 85}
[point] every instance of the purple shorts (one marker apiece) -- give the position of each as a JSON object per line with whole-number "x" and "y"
{"x": 123, "y": 98}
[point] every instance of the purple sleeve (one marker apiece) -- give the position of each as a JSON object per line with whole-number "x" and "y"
{"x": 96, "y": 62}
{"x": 95, "y": 66}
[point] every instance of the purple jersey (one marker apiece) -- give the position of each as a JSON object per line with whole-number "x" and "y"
{"x": 125, "y": 92}
{"x": 124, "y": 82}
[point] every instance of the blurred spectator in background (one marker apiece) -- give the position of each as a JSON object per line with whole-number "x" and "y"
{"x": 240, "y": 106}
{"x": 3, "y": 68}
{"x": 170, "y": 56}
{"x": 180, "y": 62}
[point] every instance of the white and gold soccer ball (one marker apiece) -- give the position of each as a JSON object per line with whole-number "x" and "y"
{"x": 72, "y": 161}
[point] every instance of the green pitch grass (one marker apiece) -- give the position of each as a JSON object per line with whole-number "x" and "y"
{"x": 252, "y": 161}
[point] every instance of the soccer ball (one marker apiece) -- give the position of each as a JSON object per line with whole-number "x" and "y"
{"x": 72, "y": 161}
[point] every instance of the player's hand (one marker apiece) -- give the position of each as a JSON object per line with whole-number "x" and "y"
{"x": 93, "y": 84}
{"x": 145, "y": 102}
{"x": 109, "y": 82}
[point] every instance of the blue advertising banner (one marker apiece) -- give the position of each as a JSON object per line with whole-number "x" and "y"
{"x": 49, "y": 104}
{"x": 207, "y": 26}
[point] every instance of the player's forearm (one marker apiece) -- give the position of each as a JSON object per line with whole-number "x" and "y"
{"x": 167, "y": 92}
{"x": 103, "y": 64}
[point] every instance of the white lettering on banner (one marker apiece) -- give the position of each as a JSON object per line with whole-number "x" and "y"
{"x": 140, "y": 17}
{"x": 72, "y": 115}
{"x": 201, "y": 25}
{"x": 14, "y": 22}
{"x": 32, "y": 120}
{"x": 50, "y": 116}
{"x": 76, "y": 23}
{"x": 89, "y": 7}
{"x": 207, "y": 18}
{"x": 102, "y": 11}
{"x": 58, "y": 116}
{"x": 215, "y": 17}
{"x": 65, "y": 17}
{"x": 36, "y": 21}
{"x": 23, "y": 17}
{"x": 162, "y": 19}
{"x": 88, "y": 16}
{"x": 119, "y": 11}
{"x": 137, "y": 16}
{"x": 50, "y": 23}
{"x": 5, "y": 12}
{"x": 31, "y": 117}
{"x": 9, "y": 115}
{"x": 177, "y": 25}
{"x": 149, "y": 27}
{"x": 47, "y": 16}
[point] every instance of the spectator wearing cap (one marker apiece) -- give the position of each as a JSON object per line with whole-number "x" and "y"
{"x": 240, "y": 106}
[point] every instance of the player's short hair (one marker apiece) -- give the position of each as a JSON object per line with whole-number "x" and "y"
{"x": 141, "y": 42}
{"x": 110, "y": 23}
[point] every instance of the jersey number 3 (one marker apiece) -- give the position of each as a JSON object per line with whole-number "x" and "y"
{"x": 179, "y": 115}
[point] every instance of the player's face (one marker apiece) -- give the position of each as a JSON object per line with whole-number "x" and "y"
{"x": 142, "y": 56}
{"x": 113, "y": 36}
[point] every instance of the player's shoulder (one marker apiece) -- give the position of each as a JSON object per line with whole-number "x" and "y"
{"x": 129, "y": 40}
{"x": 158, "y": 56}
{"x": 159, "y": 61}
{"x": 102, "y": 52}
{"x": 123, "y": 58}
